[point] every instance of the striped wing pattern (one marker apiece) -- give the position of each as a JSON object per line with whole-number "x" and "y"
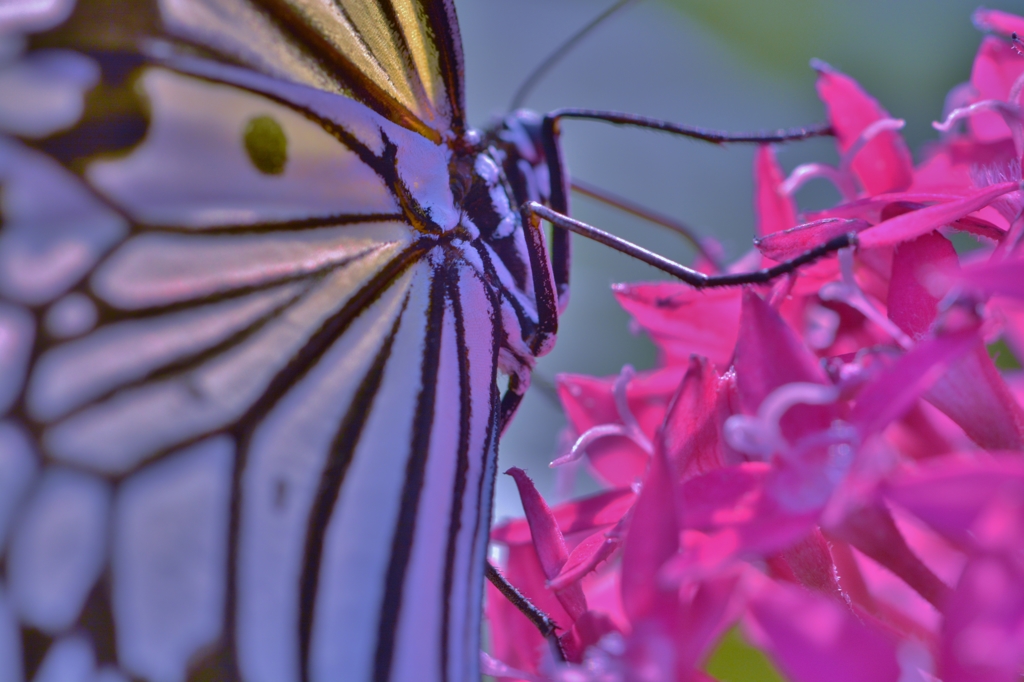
{"x": 247, "y": 407}
{"x": 402, "y": 58}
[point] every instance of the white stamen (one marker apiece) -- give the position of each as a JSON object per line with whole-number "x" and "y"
{"x": 849, "y": 292}
{"x": 820, "y": 326}
{"x": 803, "y": 173}
{"x": 637, "y": 434}
{"x": 841, "y": 177}
{"x": 760, "y": 435}
{"x": 629, "y": 428}
{"x": 589, "y": 436}
{"x": 1018, "y": 85}
{"x": 1009, "y": 112}
{"x": 866, "y": 135}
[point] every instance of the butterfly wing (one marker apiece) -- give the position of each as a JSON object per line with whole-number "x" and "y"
{"x": 250, "y": 400}
{"x": 402, "y": 58}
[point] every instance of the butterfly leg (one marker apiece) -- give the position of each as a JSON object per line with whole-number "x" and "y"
{"x": 692, "y": 277}
{"x": 544, "y": 286}
{"x": 542, "y": 337}
{"x": 540, "y": 620}
{"x": 559, "y": 181}
{"x": 561, "y": 252}
{"x": 510, "y": 401}
{"x": 540, "y": 340}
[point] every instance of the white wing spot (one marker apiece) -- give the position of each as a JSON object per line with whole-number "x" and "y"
{"x": 10, "y": 641}
{"x": 16, "y": 334}
{"x": 73, "y": 315}
{"x": 58, "y": 548}
{"x": 18, "y": 469}
{"x": 69, "y": 659}
{"x": 169, "y": 560}
{"x": 45, "y": 92}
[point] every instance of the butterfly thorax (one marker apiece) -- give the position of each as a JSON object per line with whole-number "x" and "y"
{"x": 492, "y": 173}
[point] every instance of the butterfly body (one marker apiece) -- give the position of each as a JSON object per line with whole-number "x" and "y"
{"x": 257, "y": 283}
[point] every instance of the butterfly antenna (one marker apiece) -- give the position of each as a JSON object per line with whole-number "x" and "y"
{"x": 627, "y": 206}
{"x": 531, "y": 81}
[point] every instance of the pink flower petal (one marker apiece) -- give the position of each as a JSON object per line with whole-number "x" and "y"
{"x": 648, "y": 653}
{"x": 604, "y": 596}
{"x": 983, "y": 633}
{"x": 787, "y": 244}
{"x": 811, "y": 563}
{"x": 911, "y": 304}
{"x": 924, "y": 432}
{"x": 722, "y": 496}
{"x": 682, "y": 321}
{"x": 941, "y": 557}
{"x": 547, "y": 538}
{"x": 950, "y": 169}
{"x": 652, "y": 539}
{"x": 893, "y": 391}
{"x": 815, "y": 639}
{"x": 584, "y": 558}
{"x": 884, "y": 164}
{"x": 586, "y": 632}
{"x": 872, "y": 208}
{"x": 691, "y": 434}
{"x": 911, "y": 225}
{"x": 953, "y": 495}
{"x": 584, "y": 515}
{"x": 996, "y": 67}
{"x": 979, "y": 228}
{"x": 707, "y": 555}
{"x": 514, "y": 639}
{"x": 590, "y": 402}
{"x": 878, "y": 592}
{"x": 769, "y": 355}
{"x": 775, "y": 211}
{"x": 704, "y": 615}
{"x": 548, "y": 541}
{"x": 495, "y": 668}
{"x": 974, "y": 394}
{"x": 997, "y": 21}
{"x": 735, "y": 519}
{"x": 873, "y": 532}
{"x": 995, "y": 278}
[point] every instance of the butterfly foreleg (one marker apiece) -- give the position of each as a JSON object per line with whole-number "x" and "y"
{"x": 518, "y": 382}
{"x": 541, "y": 338}
{"x": 694, "y": 278}
{"x": 542, "y": 621}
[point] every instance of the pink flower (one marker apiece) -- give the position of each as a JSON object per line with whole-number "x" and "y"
{"x": 978, "y": 506}
{"x": 615, "y": 419}
{"x": 825, "y": 642}
{"x": 832, "y": 462}
{"x": 537, "y": 550}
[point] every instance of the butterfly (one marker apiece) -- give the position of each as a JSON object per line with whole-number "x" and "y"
{"x": 259, "y": 281}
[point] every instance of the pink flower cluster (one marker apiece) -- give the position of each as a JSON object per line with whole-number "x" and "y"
{"x": 833, "y": 462}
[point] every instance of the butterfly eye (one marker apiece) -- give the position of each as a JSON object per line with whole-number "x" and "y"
{"x": 266, "y": 144}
